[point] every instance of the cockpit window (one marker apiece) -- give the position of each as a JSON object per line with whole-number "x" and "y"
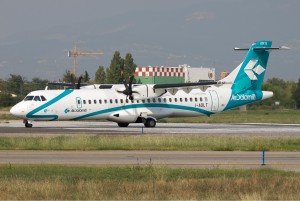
{"x": 43, "y": 98}
{"x": 28, "y": 98}
{"x": 37, "y": 98}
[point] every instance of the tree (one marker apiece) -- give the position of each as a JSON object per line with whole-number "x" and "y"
{"x": 35, "y": 84}
{"x": 100, "y": 75}
{"x": 116, "y": 66}
{"x": 85, "y": 77}
{"x": 129, "y": 66}
{"x": 15, "y": 84}
{"x": 296, "y": 95}
{"x": 68, "y": 76}
{"x": 282, "y": 92}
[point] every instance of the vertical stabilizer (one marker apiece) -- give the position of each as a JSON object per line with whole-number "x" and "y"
{"x": 250, "y": 73}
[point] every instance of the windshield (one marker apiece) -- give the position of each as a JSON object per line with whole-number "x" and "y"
{"x": 35, "y": 98}
{"x": 28, "y": 98}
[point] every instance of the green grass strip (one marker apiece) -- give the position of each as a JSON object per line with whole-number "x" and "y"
{"x": 25, "y": 182}
{"x": 174, "y": 142}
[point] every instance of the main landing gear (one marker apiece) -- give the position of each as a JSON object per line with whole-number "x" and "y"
{"x": 28, "y": 124}
{"x": 149, "y": 122}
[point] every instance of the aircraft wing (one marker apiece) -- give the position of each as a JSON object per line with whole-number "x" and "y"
{"x": 69, "y": 85}
{"x": 184, "y": 85}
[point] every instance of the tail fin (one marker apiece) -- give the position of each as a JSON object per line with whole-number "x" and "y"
{"x": 250, "y": 73}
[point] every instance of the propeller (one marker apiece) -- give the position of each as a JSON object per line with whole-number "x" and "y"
{"x": 128, "y": 88}
{"x": 74, "y": 85}
{"x": 79, "y": 82}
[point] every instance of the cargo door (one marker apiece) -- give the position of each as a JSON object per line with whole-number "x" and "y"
{"x": 214, "y": 100}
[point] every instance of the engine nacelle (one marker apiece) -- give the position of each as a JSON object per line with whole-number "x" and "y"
{"x": 141, "y": 92}
{"x": 123, "y": 117}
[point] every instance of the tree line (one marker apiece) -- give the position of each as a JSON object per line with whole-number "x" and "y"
{"x": 16, "y": 87}
{"x": 13, "y": 89}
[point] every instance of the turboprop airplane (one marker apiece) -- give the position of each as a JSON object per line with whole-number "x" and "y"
{"x": 146, "y": 103}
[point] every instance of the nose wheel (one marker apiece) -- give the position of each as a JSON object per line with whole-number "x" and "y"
{"x": 27, "y": 124}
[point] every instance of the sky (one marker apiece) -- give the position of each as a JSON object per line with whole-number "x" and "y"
{"x": 35, "y": 35}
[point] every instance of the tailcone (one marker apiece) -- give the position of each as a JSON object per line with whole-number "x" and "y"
{"x": 267, "y": 94}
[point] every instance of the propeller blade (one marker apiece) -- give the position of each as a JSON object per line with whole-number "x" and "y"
{"x": 79, "y": 82}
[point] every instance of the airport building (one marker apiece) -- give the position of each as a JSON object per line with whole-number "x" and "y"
{"x": 167, "y": 75}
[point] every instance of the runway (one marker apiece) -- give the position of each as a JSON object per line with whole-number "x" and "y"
{"x": 191, "y": 159}
{"x": 187, "y": 159}
{"x": 98, "y": 128}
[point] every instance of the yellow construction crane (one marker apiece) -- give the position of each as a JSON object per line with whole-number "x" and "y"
{"x": 75, "y": 53}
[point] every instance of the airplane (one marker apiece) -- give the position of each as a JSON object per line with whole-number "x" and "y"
{"x": 147, "y": 103}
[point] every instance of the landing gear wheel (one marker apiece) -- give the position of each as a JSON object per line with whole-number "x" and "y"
{"x": 123, "y": 124}
{"x": 28, "y": 125}
{"x": 150, "y": 123}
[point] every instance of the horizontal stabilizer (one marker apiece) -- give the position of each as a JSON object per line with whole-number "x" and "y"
{"x": 264, "y": 48}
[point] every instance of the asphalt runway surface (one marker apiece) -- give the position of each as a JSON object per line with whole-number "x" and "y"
{"x": 192, "y": 159}
{"x": 187, "y": 159}
{"x": 98, "y": 128}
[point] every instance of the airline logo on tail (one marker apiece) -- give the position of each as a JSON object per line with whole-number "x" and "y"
{"x": 253, "y": 68}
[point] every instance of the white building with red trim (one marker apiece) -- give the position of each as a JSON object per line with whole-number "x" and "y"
{"x": 182, "y": 73}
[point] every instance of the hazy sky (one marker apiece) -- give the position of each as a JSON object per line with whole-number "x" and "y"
{"x": 36, "y": 34}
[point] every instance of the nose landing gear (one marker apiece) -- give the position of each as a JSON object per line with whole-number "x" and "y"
{"x": 28, "y": 124}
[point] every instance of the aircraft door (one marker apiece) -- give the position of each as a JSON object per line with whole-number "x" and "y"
{"x": 214, "y": 100}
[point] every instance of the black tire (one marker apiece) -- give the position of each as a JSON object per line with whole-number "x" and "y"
{"x": 27, "y": 125}
{"x": 123, "y": 124}
{"x": 151, "y": 123}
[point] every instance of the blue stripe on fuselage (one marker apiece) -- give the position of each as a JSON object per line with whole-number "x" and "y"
{"x": 31, "y": 115}
{"x": 146, "y": 105}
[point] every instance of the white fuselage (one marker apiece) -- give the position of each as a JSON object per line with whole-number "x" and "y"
{"x": 111, "y": 105}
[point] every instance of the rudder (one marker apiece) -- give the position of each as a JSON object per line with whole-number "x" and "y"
{"x": 250, "y": 73}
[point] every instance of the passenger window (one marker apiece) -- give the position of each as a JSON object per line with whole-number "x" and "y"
{"x": 84, "y": 102}
{"x": 186, "y": 100}
{"x": 153, "y": 100}
{"x": 105, "y": 101}
{"x": 159, "y": 100}
{"x": 78, "y": 102}
{"x": 121, "y": 100}
{"x": 201, "y": 99}
{"x": 180, "y": 99}
{"x": 191, "y": 99}
{"x": 127, "y": 100}
{"x": 100, "y": 101}
{"x": 196, "y": 99}
{"x": 111, "y": 101}
{"x": 170, "y": 100}
{"x": 95, "y": 101}
{"x": 90, "y": 102}
{"x": 116, "y": 101}
{"x": 175, "y": 99}
{"x": 37, "y": 98}
{"x": 43, "y": 98}
{"x": 165, "y": 100}
{"x": 143, "y": 101}
{"x": 148, "y": 100}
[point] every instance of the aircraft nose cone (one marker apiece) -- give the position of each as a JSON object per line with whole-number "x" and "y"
{"x": 17, "y": 111}
{"x": 14, "y": 111}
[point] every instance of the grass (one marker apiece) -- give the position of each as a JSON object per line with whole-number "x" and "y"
{"x": 251, "y": 116}
{"x": 24, "y": 182}
{"x": 153, "y": 142}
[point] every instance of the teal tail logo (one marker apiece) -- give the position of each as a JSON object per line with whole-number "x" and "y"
{"x": 252, "y": 70}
